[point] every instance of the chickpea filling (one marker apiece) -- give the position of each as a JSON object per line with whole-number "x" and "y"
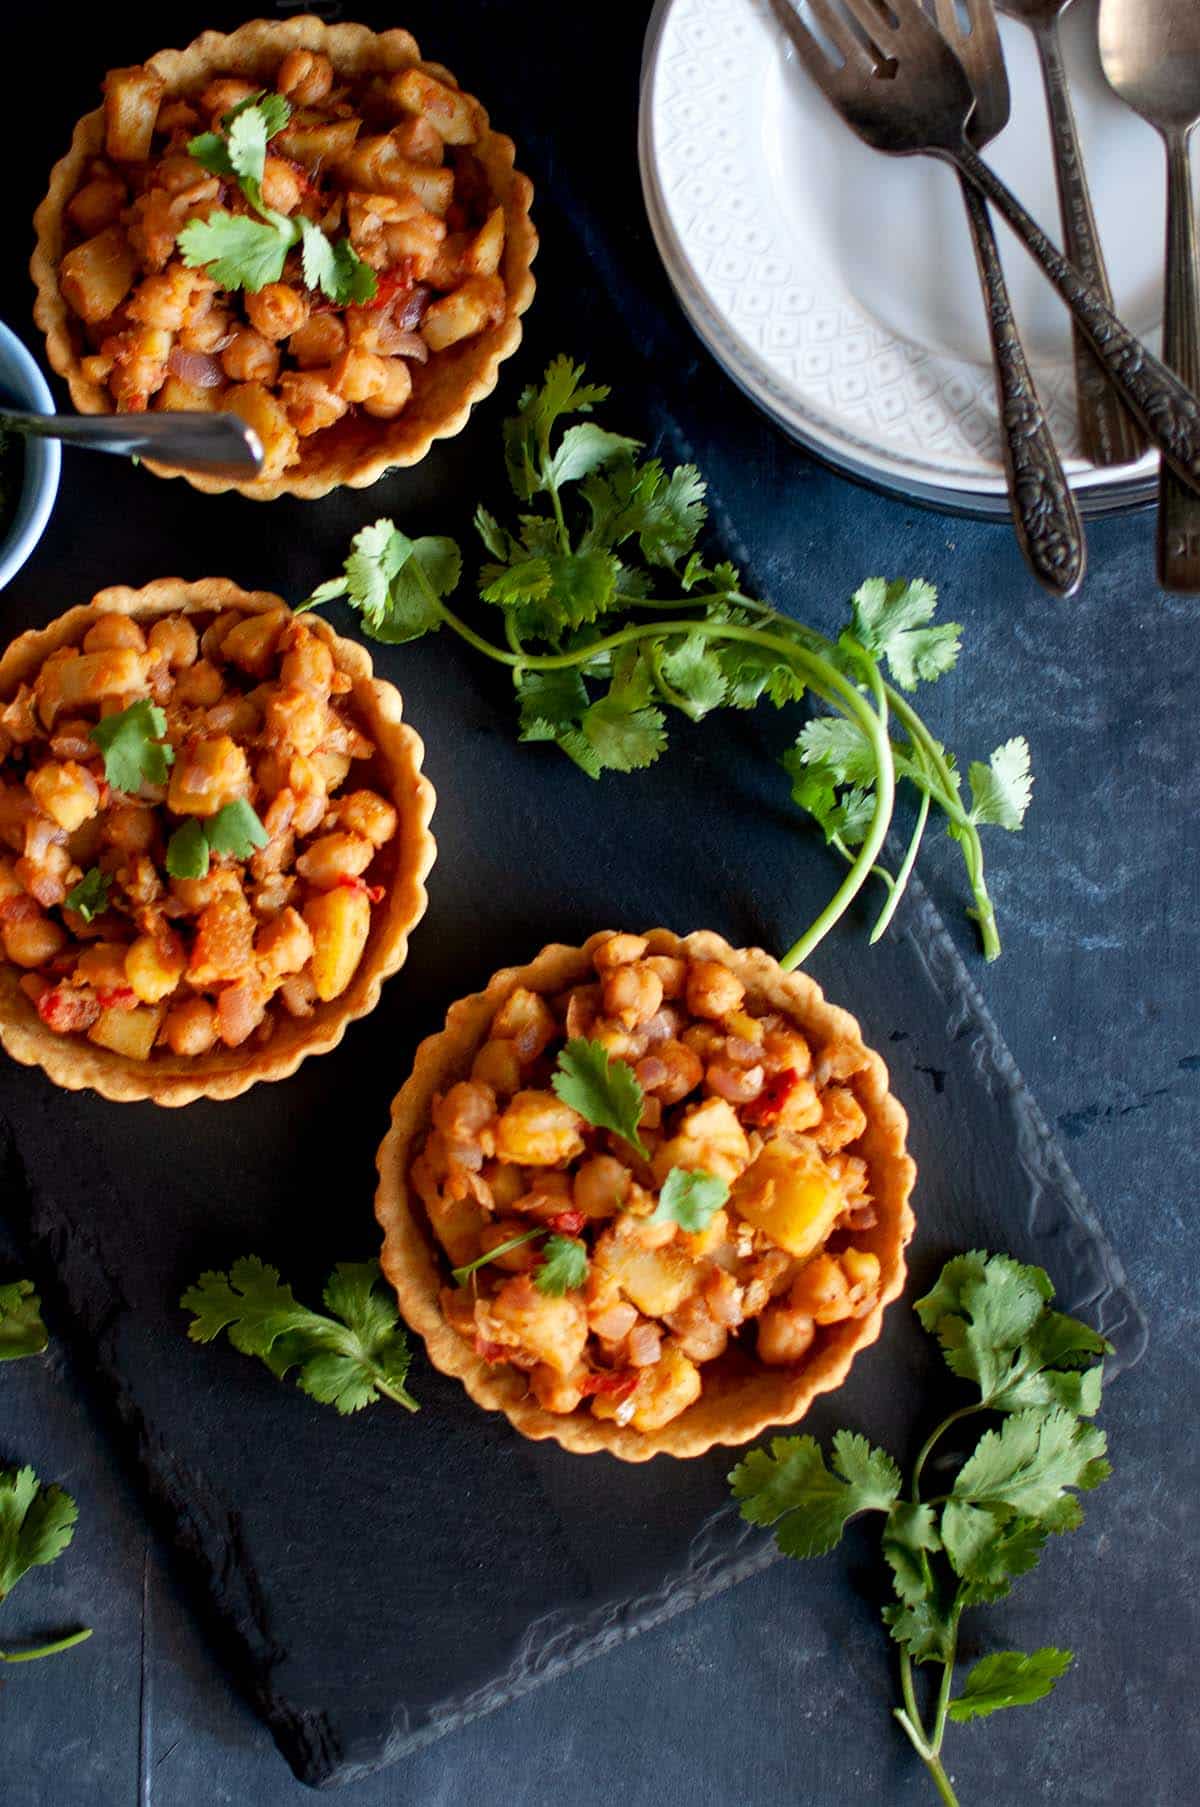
{"x": 384, "y": 161}
{"x": 247, "y": 713}
{"x": 731, "y": 1091}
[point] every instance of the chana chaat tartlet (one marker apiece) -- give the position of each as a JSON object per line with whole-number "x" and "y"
{"x": 648, "y": 1195}
{"x": 301, "y": 223}
{"x": 213, "y": 840}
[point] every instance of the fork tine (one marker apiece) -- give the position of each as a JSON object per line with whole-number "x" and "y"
{"x": 870, "y": 16}
{"x": 835, "y": 27}
{"x": 946, "y": 17}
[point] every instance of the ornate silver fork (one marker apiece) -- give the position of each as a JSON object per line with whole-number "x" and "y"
{"x": 1108, "y": 434}
{"x": 894, "y": 79}
{"x": 1049, "y": 531}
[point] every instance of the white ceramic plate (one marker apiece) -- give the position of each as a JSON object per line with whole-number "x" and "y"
{"x": 838, "y": 286}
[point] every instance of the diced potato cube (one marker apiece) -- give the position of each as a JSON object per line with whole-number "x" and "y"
{"x": 72, "y": 683}
{"x": 97, "y": 204}
{"x": 313, "y": 145}
{"x": 552, "y": 1329}
{"x": 207, "y": 774}
{"x": 378, "y": 165}
{"x": 128, "y": 1032}
{"x": 665, "y": 1389}
{"x": 709, "y": 1139}
{"x": 478, "y": 302}
{"x": 251, "y": 644}
{"x": 482, "y": 255}
{"x": 453, "y": 115}
{"x": 96, "y": 276}
{"x": 790, "y": 1195}
{"x": 655, "y": 1280}
{"x": 154, "y": 967}
{"x": 260, "y": 410}
{"x": 538, "y": 1130}
{"x": 189, "y": 397}
{"x": 67, "y": 793}
{"x": 457, "y": 1222}
{"x": 339, "y": 922}
{"x": 131, "y": 102}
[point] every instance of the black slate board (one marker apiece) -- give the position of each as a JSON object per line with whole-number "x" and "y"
{"x": 373, "y": 1583}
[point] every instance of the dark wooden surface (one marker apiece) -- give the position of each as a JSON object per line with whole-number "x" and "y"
{"x": 744, "y": 1699}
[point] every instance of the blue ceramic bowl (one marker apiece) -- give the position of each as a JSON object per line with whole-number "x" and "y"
{"x": 22, "y": 385}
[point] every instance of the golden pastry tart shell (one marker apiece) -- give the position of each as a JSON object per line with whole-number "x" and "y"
{"x": 357, "y": 450}
{"x": 741, "y": 1396}
{"x": 395, "y": 769}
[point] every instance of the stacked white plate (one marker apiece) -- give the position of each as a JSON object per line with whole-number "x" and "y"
{"x": 838, "y": 288}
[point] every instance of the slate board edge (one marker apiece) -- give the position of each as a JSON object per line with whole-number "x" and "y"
{"x": 1115, "y": 1306}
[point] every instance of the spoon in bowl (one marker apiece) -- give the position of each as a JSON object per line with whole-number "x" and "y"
{"x": 221, "y": 445}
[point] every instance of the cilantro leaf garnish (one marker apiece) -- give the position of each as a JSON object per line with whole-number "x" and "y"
{"x": 690, "y": 1198}
{"x": 188, "y": 851}
{"x": 237, "y": 252}
{"x": 134, "y": 750}
{"x": 334, "y": 267}
{"x": 244, "y": 253}
{"x": 965, "y": 1546}
{"x": 89, "y": 898}
{"x": 347, "y": 1356}
{"x": 21, "y": 1329}
{"x": 604, "y": 1091}
{"x": 36, "y": 1525}
{"x": 614, "y": 617}
{"x": 235, "y": 830}
{"x": 563, "y": 1267}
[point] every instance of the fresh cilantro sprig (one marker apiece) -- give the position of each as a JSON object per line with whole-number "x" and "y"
{"x": 89, "y": 898}
{"x": 235, "y": 830}
{"x": 244, "y": 253}
{"x": 690, "y": 1198}
{"x": 604, "y": 1091}
{"x": 134, "y": 751}
{"x": 21, "y": 1329}
{"x": 563, "y": 1266}
{"x": 966, "y": 1544}
{"x": 347, "y": 1356}
{"x": 612, "y": 617}
{"x": 36, "y": 1525}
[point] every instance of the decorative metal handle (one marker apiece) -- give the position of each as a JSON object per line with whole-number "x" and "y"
{"x": 1046, "y": 519}
{"x": 1179, "y": 508}
{"x": 1108, "y": 433}
{"x": 1167, "y": 409}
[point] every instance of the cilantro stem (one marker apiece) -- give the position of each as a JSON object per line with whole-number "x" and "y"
{"x": 910, "y": 1719}
{"x": 821, "y": 677}
{"x": 397, "y": 1394}
{"x": 32, "y": 1656}
{"x": 935, "y": 1436}
{"x": 899, "y": 882}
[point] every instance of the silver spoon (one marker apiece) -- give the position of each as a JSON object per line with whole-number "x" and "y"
{"x": 220, "y": 444}
{"x": 1150, "y": 50}
{"x": 1109, "y": 433}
